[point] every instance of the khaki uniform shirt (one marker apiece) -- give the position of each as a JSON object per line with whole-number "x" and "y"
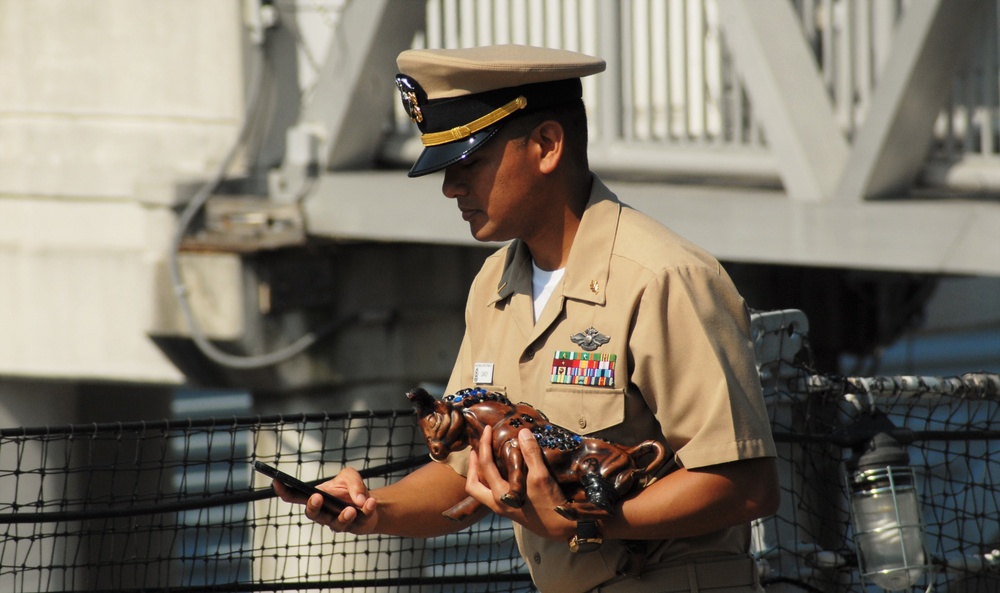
{"x": 678, "y": 366}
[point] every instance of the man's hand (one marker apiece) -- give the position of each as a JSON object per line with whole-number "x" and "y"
{"x": 347, "y": 486}
{"x": 543, "y": 495}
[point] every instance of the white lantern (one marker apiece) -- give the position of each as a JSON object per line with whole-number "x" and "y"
{"x": 886, "y": 515}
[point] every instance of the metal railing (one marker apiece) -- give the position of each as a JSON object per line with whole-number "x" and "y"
{"x": 171, "y": 505}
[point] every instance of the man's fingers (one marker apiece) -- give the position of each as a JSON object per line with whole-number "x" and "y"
{"x": 317, "y": 511}
{"x": 473, "y": 486}
{"x": 531, "y": 452}
{"x": 484, "y": 482}
{"x": 488, "y": 466}
{"x": 486, "y": 444}
{"x": 485, "y": 469}
{"x": 347, "y": 485}
{"x": 539, "y": 475}
{"x": 286, "y": 494}
{"x": 350, "y": 479}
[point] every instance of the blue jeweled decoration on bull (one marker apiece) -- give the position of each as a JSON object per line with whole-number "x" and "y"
{"x": 551, "y": 436}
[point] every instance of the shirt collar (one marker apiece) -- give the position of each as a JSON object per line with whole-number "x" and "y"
{"x": 586, "y": 275}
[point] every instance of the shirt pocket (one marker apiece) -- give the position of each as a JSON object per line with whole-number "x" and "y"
{"x": 583, "y": 410}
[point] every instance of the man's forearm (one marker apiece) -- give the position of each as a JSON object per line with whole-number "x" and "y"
{"x": 412, "y": 506}
{"x": 689, "y": 503}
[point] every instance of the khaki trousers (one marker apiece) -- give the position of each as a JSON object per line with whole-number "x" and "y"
{"x": 718, "y": 575}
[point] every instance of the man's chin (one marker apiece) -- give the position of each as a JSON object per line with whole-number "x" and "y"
{"x": 485, "y": 236}
{"x": 478, "y": 232}
{"x": 484, "y": 232}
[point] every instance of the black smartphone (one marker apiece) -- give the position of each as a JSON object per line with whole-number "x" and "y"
{"x": 293, "y": 483}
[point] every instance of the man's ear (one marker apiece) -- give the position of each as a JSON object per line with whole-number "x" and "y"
{"x": 551, "y": 140}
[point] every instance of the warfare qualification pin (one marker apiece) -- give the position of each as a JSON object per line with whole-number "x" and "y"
{"x": 589, "y": 339}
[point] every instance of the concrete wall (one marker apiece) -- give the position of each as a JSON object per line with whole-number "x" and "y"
{"x": 105, "y": 106}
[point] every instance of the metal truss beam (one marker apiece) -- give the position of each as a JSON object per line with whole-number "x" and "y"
{"x": 787, "y": 93}
{"x": 888, "y": 152}
{"x": 890, "y": 149}
{"x": 341, "y": 126}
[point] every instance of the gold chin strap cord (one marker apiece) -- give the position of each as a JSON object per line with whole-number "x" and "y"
{"x": 460, "y": 132}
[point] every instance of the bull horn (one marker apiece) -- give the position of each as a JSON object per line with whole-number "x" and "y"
{"x": 419, "y": 396}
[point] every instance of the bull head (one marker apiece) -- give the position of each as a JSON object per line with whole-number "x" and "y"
{"x": 442, "y": 425}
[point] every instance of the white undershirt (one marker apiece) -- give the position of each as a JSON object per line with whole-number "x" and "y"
{"x": 542, "y": 285}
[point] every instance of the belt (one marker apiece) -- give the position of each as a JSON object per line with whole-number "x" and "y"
{"x": 694, "y": 575}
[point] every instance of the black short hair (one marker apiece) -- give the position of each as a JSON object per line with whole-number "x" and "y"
{"x": 571, "y": 116}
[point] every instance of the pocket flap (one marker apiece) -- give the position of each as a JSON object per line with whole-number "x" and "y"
{"x": 583, "y": 410}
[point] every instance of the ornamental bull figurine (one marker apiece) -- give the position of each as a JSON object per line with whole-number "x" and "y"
{"x": 593, "y": 473}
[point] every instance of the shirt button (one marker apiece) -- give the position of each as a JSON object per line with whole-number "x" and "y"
{"x": 582, "y": 422}
{"x": 537, "y": 558}
{"x": 529, "y": 354}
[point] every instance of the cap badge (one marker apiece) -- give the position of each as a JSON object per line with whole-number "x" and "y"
{"x": 409, "y": 93}
{"x": 589, "y": 339}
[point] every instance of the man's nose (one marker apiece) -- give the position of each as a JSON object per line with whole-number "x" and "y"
{"x": 453, "y": 185}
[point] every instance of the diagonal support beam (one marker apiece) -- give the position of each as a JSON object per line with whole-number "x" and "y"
{"x": 788, "y": 95}
{"x": 355, "y": 88}
{"x": 890, "y": 148}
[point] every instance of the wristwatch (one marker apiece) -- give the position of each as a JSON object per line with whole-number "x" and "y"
{"x": 587, "y": 539}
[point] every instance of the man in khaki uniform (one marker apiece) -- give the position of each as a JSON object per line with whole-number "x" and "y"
{"x": 605, "y": 320}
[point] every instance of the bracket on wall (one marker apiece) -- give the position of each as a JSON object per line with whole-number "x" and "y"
{"x": 246, "y": 224}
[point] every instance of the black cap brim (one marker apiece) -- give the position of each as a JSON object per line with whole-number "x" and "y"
{"x": 435, "y": 158}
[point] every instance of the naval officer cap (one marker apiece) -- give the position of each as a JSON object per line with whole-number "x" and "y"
{"x": 460, "y": 98}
